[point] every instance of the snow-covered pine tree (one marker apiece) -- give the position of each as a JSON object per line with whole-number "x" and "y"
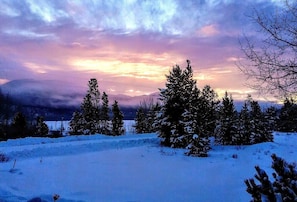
{"x": 41, "y": 129}
{"x": 151, "y": 117}
{"x": 260, "y": 127}
{"x": 226, "y": 130}
{"x": 88, "y": 115}
{"x": 288, "y": 116}
{"x": 283, "y": 188}
{"x": 105, "y": 126}
{"x": 175, "y": 101}
{"x": 196, "y": 137}
{"x": 77, "y": 124}
{"x": 94, "y": 93}
{"x": 117, "y": 120}
{"x": 88, "y": 120}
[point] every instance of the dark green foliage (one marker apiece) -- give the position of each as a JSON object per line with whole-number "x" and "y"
{"x": 76, "y": 123}
{"x": 19, "y": 125}
{"x": 145, "y": 117}
{"x": 227, "y": 129}
{"x": 175, "y": 101}
{"x": 271, "y": 117}
{"x": 283, "y": 188}
{"x": 105, "y": 127}
{"x": 261, "y": 132}
{"x": 253, "y": 126}
{"x": 288, "y": 116}
{"x": 117, "y": 120}
{"x": 94, "y": 117}
{"x": 198, "y": 147}
{"x": 141, "y": 124}
{"x": 41, "y": 129}
{"x": 186, "y": 117}
{"x": 207, "y": 107}
{"x": 6, "y": 108}
{"x": 244, "y": 126}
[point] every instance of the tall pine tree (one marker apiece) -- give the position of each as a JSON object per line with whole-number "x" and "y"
{"x": 175, "y": 101}
{"x": 226, "y": 130}
{"x": 117, "y": 120}
{"x": 104, "y": 117}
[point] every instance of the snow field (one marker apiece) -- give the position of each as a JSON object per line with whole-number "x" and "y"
{"x": 131, "y": 168}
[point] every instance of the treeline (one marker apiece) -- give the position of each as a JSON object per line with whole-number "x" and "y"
{"x": 187, "y": 116}
{"x": 13, "y": 122}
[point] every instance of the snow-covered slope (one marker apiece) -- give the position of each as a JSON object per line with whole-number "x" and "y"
{"x": 130, "y": 168}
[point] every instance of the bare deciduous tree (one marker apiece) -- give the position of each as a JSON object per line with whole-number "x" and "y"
{"x": 271, "y": 62}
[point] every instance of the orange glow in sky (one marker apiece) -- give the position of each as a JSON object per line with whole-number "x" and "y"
{"x": 129, "y": 46}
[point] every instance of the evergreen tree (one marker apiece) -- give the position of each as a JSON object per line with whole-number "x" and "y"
{"x": 19, "y": 125}
{"x": 288, "y": 116}
{"x": 41, "y": 129}
{"x": 226, "y": 130}
{"x": 117, "y": 120}
{"x": 152, "y": 116}
{"x": 271, "y": 117}
{"x": 141, "y": 121}
{"x": 186, "y": 117}
{"x": 88, "y": 115}
{"x": 175, "y": 101}
{"x": 253, "y": 126}
{"x": 244, "y": 126}
{"x": 104, "y": 117}
{"x": 208, "y": 104}
{"x": 260, "y": 128}
{"x": 76, "y": 124}
{"x": 88, "y": 120}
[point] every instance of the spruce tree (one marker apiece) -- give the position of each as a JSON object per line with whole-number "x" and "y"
{"x": 41, "y": 129}
{"x": 271, "y": 117}
{"x": 226, "y": 130}
{"x": 77, "y": 124}
{"x": 175, "y": 101}
{"x": 288, "y": 116}
{"x": 152, "y": 116}
{"x": 208, "y": 110}
{"x": 19, "y": 125}
{"x": 88, "y": 120}
{"x": 117, "y": 120}
{"x": 104, "y": 117}
{"x": 261, "y": 132}
{"x": 141, "y": 121}
{"x": 88, "y": 115}
{"x": 244, "y": 126}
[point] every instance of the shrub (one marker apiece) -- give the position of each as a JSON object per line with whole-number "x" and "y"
{"x": 283, "y": 188}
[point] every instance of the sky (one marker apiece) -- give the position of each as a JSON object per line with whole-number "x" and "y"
{"x": 128, "y": 45}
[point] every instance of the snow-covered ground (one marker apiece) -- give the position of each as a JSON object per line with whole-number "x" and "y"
{"x": 57, "y": 125}
{"x": 130, "y": 168}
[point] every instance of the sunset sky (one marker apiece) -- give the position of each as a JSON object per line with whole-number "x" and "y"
{"x": 128, "y": 45}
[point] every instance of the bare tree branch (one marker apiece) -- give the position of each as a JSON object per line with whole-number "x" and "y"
{"x": 271, "y": 63}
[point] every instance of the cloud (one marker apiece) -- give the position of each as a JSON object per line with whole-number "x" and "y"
{"x": 128, "y": 46}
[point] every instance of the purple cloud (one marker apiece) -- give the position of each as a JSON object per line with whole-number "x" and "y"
{"x": 127, "y": 46}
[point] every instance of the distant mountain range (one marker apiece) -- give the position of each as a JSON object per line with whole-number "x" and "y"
{"x": 60, "y": 94}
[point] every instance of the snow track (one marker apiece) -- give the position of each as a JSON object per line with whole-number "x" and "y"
{"x": 41, "y": 147}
